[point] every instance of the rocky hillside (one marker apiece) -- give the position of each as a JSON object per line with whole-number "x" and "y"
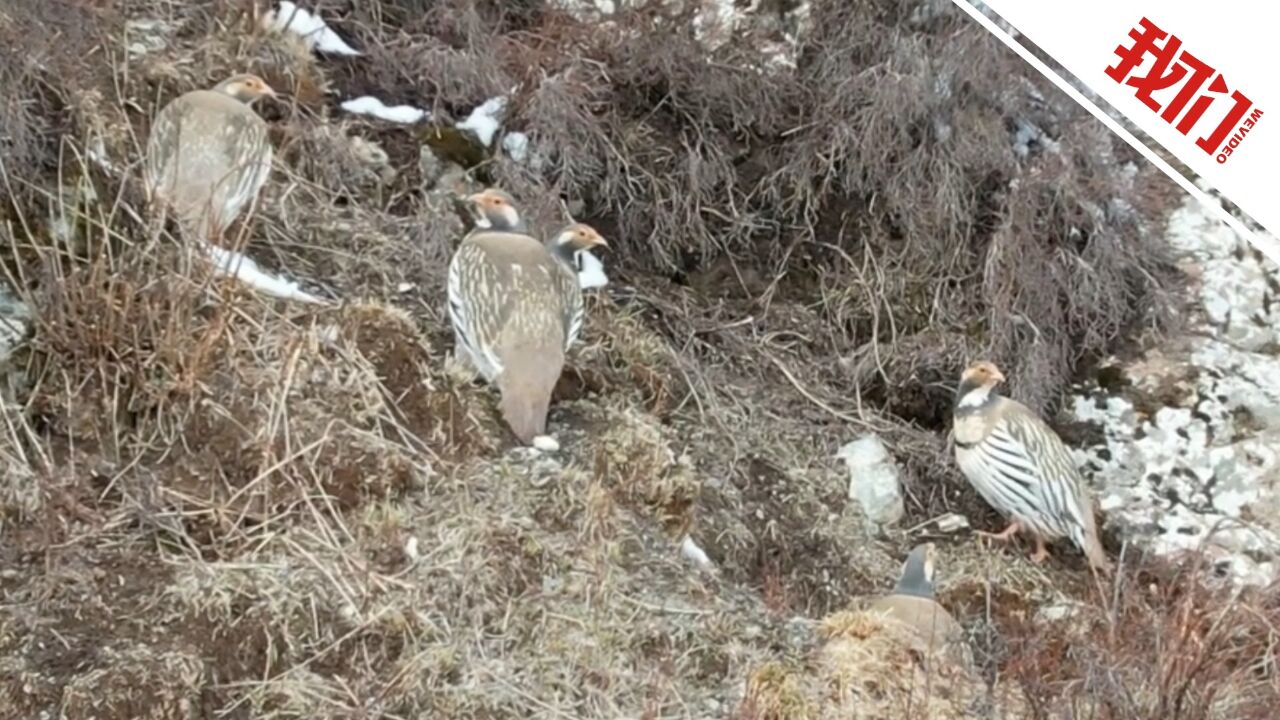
{"x": 222, "y": 504}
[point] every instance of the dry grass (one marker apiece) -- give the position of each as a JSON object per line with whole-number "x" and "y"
{"x": 223, "y": 506}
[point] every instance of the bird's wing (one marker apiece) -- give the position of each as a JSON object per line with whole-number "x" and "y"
{"x": 503, "y": 287}
{"x": 478, "y": 302}
{"x": 567, "y": 287}
{"x": 1049, "y": 461}
{"x": 160, "y": 147}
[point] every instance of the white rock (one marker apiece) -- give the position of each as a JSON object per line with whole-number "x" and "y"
{"x": 546, "y": 443}
{"x": 953, "y": 522}
{"x": 874, "y": 479}
{"x": 1060, "y": 610}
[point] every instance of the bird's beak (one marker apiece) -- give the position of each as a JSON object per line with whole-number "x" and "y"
{"x": 600, "y": 243}
{"x": 999, "y": 376}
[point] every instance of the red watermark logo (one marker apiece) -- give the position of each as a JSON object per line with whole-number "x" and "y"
{"x": 1189, "y": 74}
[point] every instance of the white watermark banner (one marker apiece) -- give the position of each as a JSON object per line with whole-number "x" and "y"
{"x": 1202, "y": 87}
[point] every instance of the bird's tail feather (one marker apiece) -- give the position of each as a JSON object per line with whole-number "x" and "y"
{"x": 526, "y": 384}
{"x": 1088, "y": 540}
{"x": 1096, "y": 554}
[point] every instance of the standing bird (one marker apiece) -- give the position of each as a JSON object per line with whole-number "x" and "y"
{"x": 516, "y": 308}
{"x": 1021, "y": 468}
{"x": 208, "y": 154}
{"x": 913, "y": 603}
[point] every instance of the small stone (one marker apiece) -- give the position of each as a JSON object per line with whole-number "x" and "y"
{"x": 1058, "y": 611}
{"x": 953, "y": 522}
{"x": 546, "y": 443}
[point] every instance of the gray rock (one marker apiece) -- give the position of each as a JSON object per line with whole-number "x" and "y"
{"x": 874, "y": 479}
{"x": 15, "y": 327}
{"x": 1190, "y": 459}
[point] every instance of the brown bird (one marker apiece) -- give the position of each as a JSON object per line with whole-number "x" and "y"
{"x": 516, "y": 309}
{"x": 1020, "y": 466}
{"x": 912, "y": 602}
{"x": 208, "y": 154}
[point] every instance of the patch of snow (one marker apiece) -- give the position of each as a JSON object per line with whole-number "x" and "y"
{"x": 405, "y": 287}
{"x": 590, "y": 270}
{"x": 240, "y": 266}
{"x": 486, "y": 119}
{"x": 1190, "y": 458}
{"x": 411, "y": 548}
{"x": 696, "y": 555}
{"x": 369, "y": 105}
{"x": 546, "y": 443}
{"x": 516, "y": 146}
{"x": 314, "y": 32}
{"x": 874, "y": 479}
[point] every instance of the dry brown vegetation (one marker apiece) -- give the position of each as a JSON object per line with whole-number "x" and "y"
{"x": 220, "y": 506}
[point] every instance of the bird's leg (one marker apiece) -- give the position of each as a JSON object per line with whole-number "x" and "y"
{"x": 1042, "y": 553}
{"x": 1003, "y": 536}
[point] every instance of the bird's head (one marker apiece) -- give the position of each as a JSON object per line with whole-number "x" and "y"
{"x": 495, "y": 209}
{"x": 982, "y": 374}
{"x": 578, "y": 237}
{"x": 917, "y": 572}
{"x": 245, "y": 87}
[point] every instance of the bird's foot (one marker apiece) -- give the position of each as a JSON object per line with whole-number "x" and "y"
{"x": 1004, "y": 536}
{"x": 1041, "y": 554}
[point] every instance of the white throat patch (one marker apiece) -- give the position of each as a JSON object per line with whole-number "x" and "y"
{"x": 975, "y": 398}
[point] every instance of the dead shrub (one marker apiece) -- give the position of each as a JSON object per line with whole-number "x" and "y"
{"x": 1175, "y": 643}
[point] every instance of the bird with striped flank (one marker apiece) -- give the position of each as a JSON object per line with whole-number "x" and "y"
{"x": 913, "y": 603}
{"x": 208, "y": 154}
{"x": 1020, "y": 466}
{"x": 516, "y": 309}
